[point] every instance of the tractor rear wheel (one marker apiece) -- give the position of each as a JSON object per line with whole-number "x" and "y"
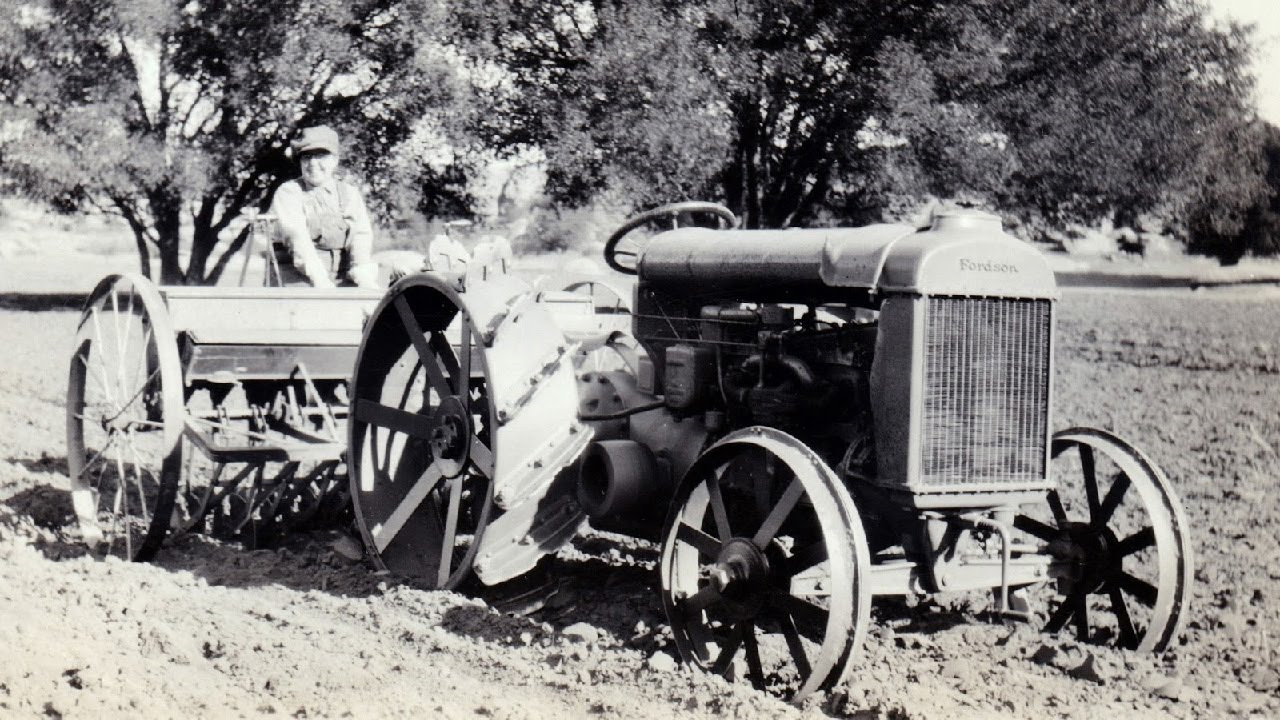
{"x": 421, "y": 437}
{"x": 463, "y": 421}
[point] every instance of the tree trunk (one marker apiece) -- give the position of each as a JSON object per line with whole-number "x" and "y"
{"x": 203, "y": 241}
{"x": 220, "y": 266}
{"x": 144, "y": 255}
{"x": 166, "y": 212}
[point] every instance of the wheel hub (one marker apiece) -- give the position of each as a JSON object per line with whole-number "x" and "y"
{"x": 1092, "y": 550}
{"x": 451, "y": 436}
{"x": 742, "y": 574}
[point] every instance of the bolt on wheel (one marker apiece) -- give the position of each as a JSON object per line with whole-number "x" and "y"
{"x": 765, "y": 566}
{"x": 1119, "y": 530}
{"x": 124, "y": 419}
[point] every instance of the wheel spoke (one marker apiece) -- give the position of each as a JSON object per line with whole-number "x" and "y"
{"x": 1128, "y": 635}
{"x": 98, "y": 456}
{"x": 103, "y": 375}
{"x": 728, "y": 649}
{"x": 705, "y": 544}
{"x": 118, "y": 503}
{"x": 146, "y": 343}
{"x": 120, "y": 346}
{"x": 386, "y": 532}
{"x": 1055, "y": 504}
{"x": 134, "y": 398}
{"x": 769, "y": 528}
{"x": 430, "y": 363}
{"x": 448, "y": 359}
{"x": 481, "y": 457}
{"x": 1088, "y": 468}
{"x": 394, "y": 419}
{"x": 804, "y": 558}
{"x": 699, "y": 601}
{"x": 1140, "y": 589}
{"x": 718, "y": 510}
{"x": 795, "y": 645}
{"x": 1035, "y": 528}
{"x": 1081, "y": 615}
{"x": 1060, "y": 616}
{"x": 1141, "y": 540}
{"x": 1115, "y": 496}
{"x": 463, "y": 385}
{"x": 137, "y": 476}
{"x": 128, "y": 329}
{"x": 754, "y": 667}
{"x": 450, "y": 531}
{"x": 811, "y": 616}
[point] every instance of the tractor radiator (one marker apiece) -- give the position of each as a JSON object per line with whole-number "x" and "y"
{"x": 985, "y": 401}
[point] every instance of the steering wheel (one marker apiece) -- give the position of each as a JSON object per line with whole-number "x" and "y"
{"x": 624, "y": 259}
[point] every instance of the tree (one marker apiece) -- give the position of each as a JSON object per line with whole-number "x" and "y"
{"x": 796, "y": 111}
{"x": 1249, "y": 227}
{"x": 622, "y": 98}
{"x": 156, "y": 108}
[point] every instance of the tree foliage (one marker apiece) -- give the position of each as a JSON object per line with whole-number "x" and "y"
{"x": 802, "y": 111}
{"x": 791, "y": 111}
{"x": 1251, "y": 227}
{"x": 160, "y": 108}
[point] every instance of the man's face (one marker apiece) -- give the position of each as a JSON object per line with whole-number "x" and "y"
{"x": 318, "y": 167}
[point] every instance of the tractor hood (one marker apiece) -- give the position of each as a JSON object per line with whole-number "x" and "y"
{"x": 961, "y": 253}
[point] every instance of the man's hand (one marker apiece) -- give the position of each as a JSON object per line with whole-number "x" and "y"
{"x": 365, "y": 275}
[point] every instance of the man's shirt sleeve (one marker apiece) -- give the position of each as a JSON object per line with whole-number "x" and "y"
{"x": 290, "y": 213}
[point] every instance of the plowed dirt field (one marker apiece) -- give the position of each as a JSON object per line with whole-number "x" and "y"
{"x": 214, "y": 630}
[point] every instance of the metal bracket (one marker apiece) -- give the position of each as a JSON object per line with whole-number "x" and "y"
{"x": 515, "y": 308}
{"x": 525, "y": 389}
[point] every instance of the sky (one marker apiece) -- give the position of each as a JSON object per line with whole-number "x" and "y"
{"x": 1265, "y": 14}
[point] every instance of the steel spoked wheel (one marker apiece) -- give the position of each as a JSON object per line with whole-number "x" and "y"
{"x": 765, "y": 565}
{"x": 124, "y": 419}
{"x": 421, "y": 436}
{"x": 1119, "y": 530}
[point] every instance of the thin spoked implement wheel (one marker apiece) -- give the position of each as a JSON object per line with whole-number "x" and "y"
{"x": 1116, "y": 525}
{"x": 765, "y": 566}
{"x": 125, "y": 417}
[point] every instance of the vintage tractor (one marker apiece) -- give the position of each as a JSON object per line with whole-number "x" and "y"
{"x": 804, "y": 419}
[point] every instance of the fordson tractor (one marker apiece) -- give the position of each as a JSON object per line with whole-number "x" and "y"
{"x": 800, "y": 419}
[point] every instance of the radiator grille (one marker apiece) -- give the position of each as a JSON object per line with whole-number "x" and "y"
{"x": 986, "y": 390}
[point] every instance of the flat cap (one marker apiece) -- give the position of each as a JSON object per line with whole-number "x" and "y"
{"x": 314, "y": 139}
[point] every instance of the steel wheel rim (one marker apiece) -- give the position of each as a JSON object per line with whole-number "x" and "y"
{"x": 756, "y": 615}
{"x": 408, "y": 529}
{"x": 1121, "y": 530}
{"x": 124, "y": 419}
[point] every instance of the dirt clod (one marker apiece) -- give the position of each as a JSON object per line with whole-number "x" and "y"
{"x": 1091, "y": 670}
{"x": 581, "y": 632}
